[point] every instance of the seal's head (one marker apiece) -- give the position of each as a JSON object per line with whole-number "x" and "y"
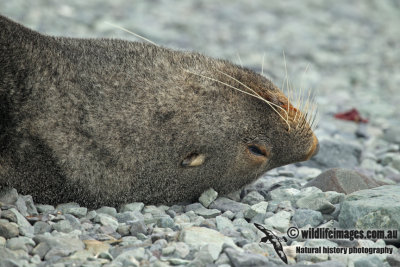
{"x": 240, "y": 126}
{"x": 104, "y": 122}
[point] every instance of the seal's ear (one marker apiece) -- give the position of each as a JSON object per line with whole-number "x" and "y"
{"x": 193, "y": 160}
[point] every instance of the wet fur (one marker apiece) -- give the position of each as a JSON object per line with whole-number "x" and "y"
{"x": 104, "y": 122}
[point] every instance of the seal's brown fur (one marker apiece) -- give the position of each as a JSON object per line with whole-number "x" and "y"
{"x": 102, "y": 122}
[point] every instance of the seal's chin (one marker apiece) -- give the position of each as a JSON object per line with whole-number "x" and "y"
{"x": 313, "y": 149}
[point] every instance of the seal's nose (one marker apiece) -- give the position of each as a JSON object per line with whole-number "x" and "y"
{"x": 314, "y": 148}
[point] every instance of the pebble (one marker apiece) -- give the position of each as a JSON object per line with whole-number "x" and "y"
{"x": 223, "y": 204}
{"x": 316, "y": 201}
{"x": 240, "y": 259}
{"x": 303, "y": 217}
{"x": 138, "y": 226}
{"x": 207, "y": 197}
{"x": 135, "y": 206}
{"x": 358, "y": 211}
{"x": 107, "y": 220}
{"x": 8, "y": 195}
{"x": 42, "y": 208}
{"x": 279, "y": 221}
{"x": 8, "y": 229}
{"x": 256, "y": 209}
{"x": 253, "y": 198}
{"x": 198, "y": 236}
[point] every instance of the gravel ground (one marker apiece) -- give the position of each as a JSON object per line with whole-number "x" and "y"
{"x": 346, "y": 51}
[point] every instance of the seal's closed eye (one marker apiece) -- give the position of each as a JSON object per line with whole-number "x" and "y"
{"x": 257, "y": 150}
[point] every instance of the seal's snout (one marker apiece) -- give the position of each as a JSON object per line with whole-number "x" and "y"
{"x": 314, "y": 148}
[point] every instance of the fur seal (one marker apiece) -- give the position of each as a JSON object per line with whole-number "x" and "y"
{"x": 105, "y": 121}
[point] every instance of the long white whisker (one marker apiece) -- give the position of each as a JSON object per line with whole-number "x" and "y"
{"x": 266, "y": 101}
{"x": 287, "y": 84}
{"x": 230, "y": 86}
{"x": 128, "y": 31}
{"x": 262, "y": 64}
{"x": 240, "y": 60}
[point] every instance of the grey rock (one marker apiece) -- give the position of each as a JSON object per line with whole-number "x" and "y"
{"x": 42, "y": 208}
{"x": 316, "y": 202}
{"x": 392, "y": 134}
{"x": 240, "y": 259}
{"x": 168, "y": 250}
{"x": 330, "y": 263}
{"x": 229, "y": 214}
{"x": 286, "y": 173}
{"x": 90, "y": 215}
{"x": 25, "y": 228}
{"x": 302, "y": 217}
{"x": 223, "y": 222}
{"x": 135, "y": 206}
{"x": 8, "y": 229}
{"x": 130, "y": 257}
{"x": 193, "y": 206}
{"x": 124, "y": 229}
{"x": 334, "y": 197}
{"x": 138, "y": 226}
{"x": 21, "y": 206}
{"x": 21, "y": 242}
{"x": 107, "y": 220}
{"x": 41, "y": 227}
{"x": 256, "y": 209}
{"x": 223, "y": 260}
{"x": 8, "y": 215}
{"x": 52, "y": 246}
{"x": 177, "y": 208}
{"x": 335, "y": 153}
{"x": 279, "y": 221}
{"x": 377, "y": 208}
{"x": 57, "y": 252}
{"x": 369, "y": 261}
{"x": 75, "y": 223}
{"x": 182, "y": 250}
{"x": 204, "y": 256}
{"x": 76, "y": 211}
{"x": 207, "y": 197}
{"x": 66, "y": 206}
{"x": 224, "y": 204}
{"x": 166, "y": 222}
{"x": 107, "y": 210}
{"x": 281, "y": 194}
{"x": 393, "y": 260}
{"x": 207, "y": 213}
{"x": 63, "y": 226}
{"x": 342, "y": 181}
{"x": 129, "y": 216}
{"x": 8, "y": 195}
{"x": 253, "y": 198}
{"x": 41, "y": 249}
{"x": 199, "y": 236}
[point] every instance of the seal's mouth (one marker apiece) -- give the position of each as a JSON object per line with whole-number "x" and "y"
{"x": 313, "y": 149}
